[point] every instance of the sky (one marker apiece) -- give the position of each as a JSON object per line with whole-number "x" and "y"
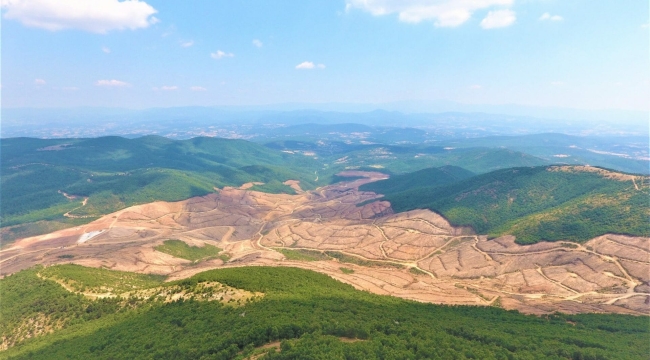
{"x": 585, "y": 54}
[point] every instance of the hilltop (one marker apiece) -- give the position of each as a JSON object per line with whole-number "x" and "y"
{"x": 425, "y": 178}
{"x": 573, "y": 203}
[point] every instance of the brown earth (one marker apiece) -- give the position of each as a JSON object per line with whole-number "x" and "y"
{"x": 425, "y": 258}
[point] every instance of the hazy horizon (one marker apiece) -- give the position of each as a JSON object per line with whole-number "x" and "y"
{"x": 622, "y": 117}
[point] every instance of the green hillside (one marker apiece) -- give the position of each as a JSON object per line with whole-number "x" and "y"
{"x": 44, "y": 179}
{"x": 482, "y": 160}
{"x": 31, "y": 306}
{"x": 536, "y": 204}
{"x": 431, "y": 177}
{"x": 301, "y": 315}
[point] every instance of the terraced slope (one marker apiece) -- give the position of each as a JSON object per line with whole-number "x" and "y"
{"x": 573, "y": 203}
{"x": 415, "y": 255}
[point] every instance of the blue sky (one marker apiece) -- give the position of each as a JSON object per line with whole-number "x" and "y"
{"x": 578, "y": 54}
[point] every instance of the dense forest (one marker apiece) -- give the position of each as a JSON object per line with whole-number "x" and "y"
{"x": 425, "y": 178}
{"x": 532, "y": 203}
{"x": 309, "y": 316}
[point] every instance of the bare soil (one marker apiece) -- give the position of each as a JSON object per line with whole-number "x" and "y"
{"x": 426, "y": 258}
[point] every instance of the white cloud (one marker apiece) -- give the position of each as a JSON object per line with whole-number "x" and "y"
{"x": 187, "y": 43}
{"x": 498, "y": 19}
{"x": 308, "y": 65}
{"x": 198, "y": 88}
{"x": 557, "y": 83}
{"x": 549, "y": 17}
{"x": 645, "y": 26}
{"x": 106, "y": 50}
{"x": 257, "y": 43}
{"x": 305, "y": 65}
{"x": 475, "y": 87}
{"x": 39, "y": 82}
{"x": 221, "y": 54}
{"x": 443, "y": 13}
{"x": 112, "y": 83}
{"x": 98, "y": 16}
{"x": 167, "y": 88}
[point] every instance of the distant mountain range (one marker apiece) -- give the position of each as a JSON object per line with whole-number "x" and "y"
{"x": 186, "y": 122}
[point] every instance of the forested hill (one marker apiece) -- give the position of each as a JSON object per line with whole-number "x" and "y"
{"x": 44, "y": 179}
{"x": 295, "y": 314}
{"x": 113, "y": 153}
{"x": 573, "y": 203}
{"x": 430, "y": 177}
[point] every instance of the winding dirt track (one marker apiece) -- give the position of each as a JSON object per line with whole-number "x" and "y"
{"x": 414, "y": 255}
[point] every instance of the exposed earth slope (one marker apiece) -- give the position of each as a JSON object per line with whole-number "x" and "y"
{"x": 415, "y": 255}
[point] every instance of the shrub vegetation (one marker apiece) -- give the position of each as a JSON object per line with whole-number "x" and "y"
{"x": 313, "y": 316}
{"x": 181, "y": 250}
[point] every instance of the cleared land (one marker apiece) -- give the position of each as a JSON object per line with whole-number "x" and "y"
{"x": 414, "y": 255}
